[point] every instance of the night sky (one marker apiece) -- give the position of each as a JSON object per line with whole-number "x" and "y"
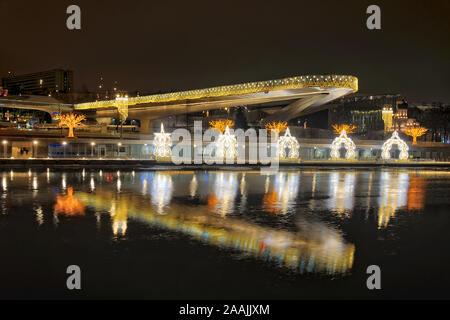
{"x": 176, "y": 45}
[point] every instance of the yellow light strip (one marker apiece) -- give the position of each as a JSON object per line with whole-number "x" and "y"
{"x": 322, "y": 81}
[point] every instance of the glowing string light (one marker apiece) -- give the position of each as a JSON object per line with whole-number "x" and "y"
{"x": 290, "y": 142}
{"x": 162, "y": 143}
{"x": 227, "y": 145}
{"x": 348, "y": 144}
{"x": 395, "y": 139}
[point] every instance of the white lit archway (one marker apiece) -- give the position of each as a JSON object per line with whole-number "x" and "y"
{"x": 348, "y": 144}
{"x": 387, "y": 146}
{"x": 290, "y": 142}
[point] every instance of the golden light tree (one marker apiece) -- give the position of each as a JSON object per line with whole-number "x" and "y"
{"x": 349, "y": 129}
{"x": 71, "y": 121}
{"x": 415, "y": 132}
{"x": 277, "y": 126}
{"x": 221, "y": 125}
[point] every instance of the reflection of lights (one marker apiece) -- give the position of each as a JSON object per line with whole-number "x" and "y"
{"x": 225, "y": 189}
{"x": 193, "y": 186}
{"x": 395, "y": 139}
{"x": 285, "y": 190}
{"x": 348, "y": 144}
{"x": 316, "y": 249}
{"x": 119, "y": 216}
{"x": 35, "y": 183}
{"x": 287, "y": 142}
{"x": 161, "y": 192}
{"x": 68, "y": 204}
{"x": 92, "y": 184}
{"x": 119, "y": 185}
{"x": 100, "y": 173}
{"x": 393, "y": 195}
{"x": 4, "y": 183}
{"x": 341, "y": 192}
{"x": 39, "y": 215}
{"x": 63, "y": 180}
{"x": 416, "y": 193}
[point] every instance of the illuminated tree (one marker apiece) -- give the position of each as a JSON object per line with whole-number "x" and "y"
{"x": 221, "y": 125}
{"x": 349, "y": 129}
{"x": 415, "y": 132}
{"x": 71, "y": 121}
{"x": 277, "y": 126}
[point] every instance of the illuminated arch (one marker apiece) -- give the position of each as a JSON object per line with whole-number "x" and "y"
{"x": 227, "y": 145}
{"x": 348, "y": 144}
{"x": 290, "y": 142}
{"x": 395, "y": 139}
{"x": 162, "y": 143}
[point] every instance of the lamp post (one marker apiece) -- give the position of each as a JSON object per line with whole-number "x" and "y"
{"x": 35, "y": 142}
{"x": 118, "y": 149}
{"x": 5, "y": 146}
{"x": 92, "y": 149}
{"x": 64, "y": 147}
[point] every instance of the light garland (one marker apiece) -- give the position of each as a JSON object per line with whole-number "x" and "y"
{"x": 287, "y": 141}
{"x": 122, "y": 107}
{"x": 348, "y": 144}
{"x": 322, "y": 81}
{"x": 395, "y": 139}
{"x": 162, "y": 143}
{"x": 227, "y": 145}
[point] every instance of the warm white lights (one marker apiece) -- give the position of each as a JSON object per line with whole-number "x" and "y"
{"x": 162, "y": 143}
{"x": 289, "y": 142}
{"x": 348, "y": 144}
{"x": 402, "y": 146}
{"x": 227, "y": 145}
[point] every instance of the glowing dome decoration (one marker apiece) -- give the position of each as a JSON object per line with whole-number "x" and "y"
{"x": 227, "y": 145}
{"x": 348, "y": 144}
{"x": 290, "y": 142}
{"x": 402, "y": 146}
{"x": 162, "y": 143}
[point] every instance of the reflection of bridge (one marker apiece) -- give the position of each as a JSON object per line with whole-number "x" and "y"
{"x": 299, "y": 93}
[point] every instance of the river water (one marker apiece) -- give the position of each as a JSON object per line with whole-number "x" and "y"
{"x": 225, "y": 234}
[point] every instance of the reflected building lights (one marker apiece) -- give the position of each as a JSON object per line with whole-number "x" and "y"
{"x": 193, "y": 185}
{"x": 225, "y": 188}
{"x": 283, "y": 195}
{"x": 317, "y": 248}
{"x": 393, "y": 195}
{"x": 341, "y": 199}
{"x": 68, "y": 205}
{"x": 161, "y": 191}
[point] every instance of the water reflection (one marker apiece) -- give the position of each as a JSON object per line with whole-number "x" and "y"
{"x": 316, "y": 248}
{"x": 284, "y": 191}
{"x": 342, "y": 193}
{"x": 283, "y": 219}
{"x": 221, "y": 200}
{"x": 68, "y": 204}
{"x": 393, "y": 195}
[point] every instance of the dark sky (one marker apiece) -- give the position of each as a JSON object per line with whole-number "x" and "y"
{"x": 173, "y": 45}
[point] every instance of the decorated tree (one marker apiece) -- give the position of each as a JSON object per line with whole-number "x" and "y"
{"x": 349, "y": 129}
{"x": 71, "y": 121}
{"x": 221, "y": 125}
{"x": 415, "y": 132}
{"x": 276, "y": 126}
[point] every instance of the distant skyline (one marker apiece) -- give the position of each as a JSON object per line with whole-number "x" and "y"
{"x": 152, "y": 46}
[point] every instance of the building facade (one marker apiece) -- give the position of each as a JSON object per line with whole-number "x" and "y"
{"x": 40, "y": 83}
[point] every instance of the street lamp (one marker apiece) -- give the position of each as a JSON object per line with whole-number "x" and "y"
{"x": 64, "y": 147}
{"x": 35, "y": 142}
{"x": 92, "y": 148}
{"x": 118, "y": 148}
{"x": 4, "y": 147}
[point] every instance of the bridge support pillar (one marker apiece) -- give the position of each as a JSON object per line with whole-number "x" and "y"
{"x": 146, "y": 126}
